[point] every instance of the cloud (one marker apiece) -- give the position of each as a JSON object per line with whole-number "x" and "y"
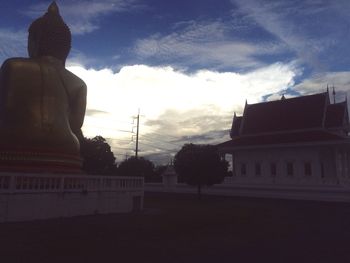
{"x": 214, "y": 136}
{"x": 306, "y": 27}
{"x": 82, "y": 16}
{"x": 78, "y": 58}
{"x": 165, "y": 149}
{"x": 203, "y": 44}
{"x": 12, "y": 43}
{"x": 319, "y": 82}
{"x": 93, "y": 112}
{"x": 173, "y": 104}
{"x": 190, "y": 123}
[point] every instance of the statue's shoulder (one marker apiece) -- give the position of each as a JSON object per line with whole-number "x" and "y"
{"x": 14, "y": 61}
{"x": 74, "y": 80}
{"x": 18, "y": 63}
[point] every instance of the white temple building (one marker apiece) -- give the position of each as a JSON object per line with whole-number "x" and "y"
{"x": 296, "y": 141}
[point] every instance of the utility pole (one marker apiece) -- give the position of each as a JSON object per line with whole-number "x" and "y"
{"x": 137, "y": 134}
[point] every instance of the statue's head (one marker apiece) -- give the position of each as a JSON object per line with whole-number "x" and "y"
{"x": 49, "y": 36}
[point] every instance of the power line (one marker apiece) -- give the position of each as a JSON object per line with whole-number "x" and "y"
{"x": 157, "y": 147}
{"x": 117, "y": 140}
{"x": 165, "y": 135}
{"x": 113, "y": 119}
{"x": 107, "y": 128}
{"x": 160, "y": 154}
{"x": 137, "y": 133}
{"x": 159, "y": 140}
{"x": 122, "y": 148}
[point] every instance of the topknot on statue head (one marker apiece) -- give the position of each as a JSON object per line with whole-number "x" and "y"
{"x": 49, "y": 35}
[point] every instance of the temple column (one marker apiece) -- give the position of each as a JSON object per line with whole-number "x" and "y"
{"x": 233, "y": 164}
{"x": 337, "y": 166}
{"x": 341, "y": 166}
{"x": 348, "y": 164}
{"x": 345, "y": 163}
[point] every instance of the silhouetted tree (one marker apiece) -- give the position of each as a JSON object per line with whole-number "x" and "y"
{"x": 200, "y": 165}
{"x": 136, "y": 167}
{"x": 97, "y": 156}
{"x": 158, "y": 171}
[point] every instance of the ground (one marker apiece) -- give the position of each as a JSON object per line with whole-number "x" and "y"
{"x": 179, "y": 228}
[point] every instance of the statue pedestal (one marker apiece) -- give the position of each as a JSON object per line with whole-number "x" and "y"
{"x": 35, "y": 161}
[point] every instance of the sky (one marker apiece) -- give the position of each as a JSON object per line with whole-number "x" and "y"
{"x": 188, "y": 65}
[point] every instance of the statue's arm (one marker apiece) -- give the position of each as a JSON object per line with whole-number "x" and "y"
{"x": 4, "y": 73}
{"x": 2, "y": 101}
{"x": 78, "y": 112}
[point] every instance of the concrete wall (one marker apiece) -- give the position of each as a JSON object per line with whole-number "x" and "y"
{"x": 30, "y": 197}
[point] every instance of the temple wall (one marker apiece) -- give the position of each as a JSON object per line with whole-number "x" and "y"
{"x": 31, "y": 197}
{"x": 321, "y": 162}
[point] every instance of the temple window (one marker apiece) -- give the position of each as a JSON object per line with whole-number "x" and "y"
{"x": 273, "y": 169}
{"x": 257, "y": 169}
{"x": 290, "y": 169}
{"x": 307, "y": 169}
{"x": 243, "y": 169}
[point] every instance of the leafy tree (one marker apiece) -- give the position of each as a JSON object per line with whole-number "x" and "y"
{"x": 158, "y": 171}
{"x": 200, "y": 165}
{"x": 136, "y": 167}
{"x": 97, "y": 156}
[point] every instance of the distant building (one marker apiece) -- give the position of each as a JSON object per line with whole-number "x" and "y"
{"x": 302, "y": 140}
{"x": 169, "y": 177}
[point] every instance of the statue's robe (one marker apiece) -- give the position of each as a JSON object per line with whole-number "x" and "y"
{"x": 42, "y": 108}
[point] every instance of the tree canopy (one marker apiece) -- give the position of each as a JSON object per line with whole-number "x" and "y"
{"x": 136, "y": 167}
{"x": 97, "y": 155}
{"x": 200, "y": 165}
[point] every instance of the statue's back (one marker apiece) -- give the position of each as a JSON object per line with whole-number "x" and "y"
{"x": 42, "y": 105}
{"x": 36, "y": 106}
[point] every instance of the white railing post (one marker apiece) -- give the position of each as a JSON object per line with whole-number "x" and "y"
{"x": 12, "y": 183}
{"x": 71, "y": 183}
{"x": 61, "y": 189}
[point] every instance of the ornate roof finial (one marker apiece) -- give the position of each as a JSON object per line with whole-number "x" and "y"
{"x": 333, "y": 94}
{"x": 283, "y": 97}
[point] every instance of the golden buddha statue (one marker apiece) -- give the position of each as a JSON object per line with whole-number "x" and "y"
{"x": 42, "y": 104}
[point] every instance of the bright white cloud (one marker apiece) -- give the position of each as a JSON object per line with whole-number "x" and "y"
{"x": 82, "y": 15}
{"x": 174, "y": 103}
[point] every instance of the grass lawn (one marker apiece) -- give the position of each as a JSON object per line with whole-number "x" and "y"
{"x": 179, "y": 228}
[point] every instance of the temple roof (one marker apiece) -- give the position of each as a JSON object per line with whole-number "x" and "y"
{"x": 335, "y": 115}
{"x": 236, "y": 124}
{"x": 284, "y": 115}
{"x": 310, "y": 118}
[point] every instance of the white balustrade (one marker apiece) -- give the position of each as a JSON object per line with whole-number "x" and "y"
{"x": 31, "y": 183}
